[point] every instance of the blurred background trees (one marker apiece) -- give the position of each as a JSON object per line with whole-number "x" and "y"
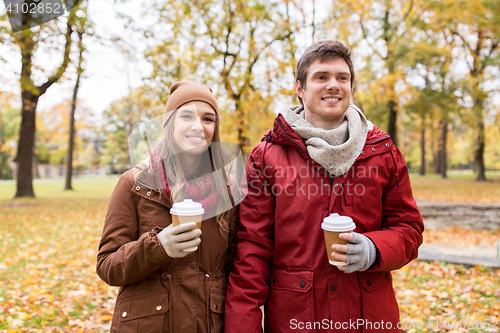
{"x": 9, "y": 128}
{"x": 54, "y": 39}
{"x": 121, "y": 118}
{"x": 235, "y": 46}
{"x": 427, "y": 72}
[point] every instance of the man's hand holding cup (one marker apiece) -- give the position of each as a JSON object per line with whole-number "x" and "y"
{"x": 351, "y": 251}
{"x": 359, "y": 253}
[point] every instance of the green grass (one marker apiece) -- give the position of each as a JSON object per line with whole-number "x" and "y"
{"x": 458, "y": 174}
{"x": 54, "y": 188}
{"x": 458, "y": 187}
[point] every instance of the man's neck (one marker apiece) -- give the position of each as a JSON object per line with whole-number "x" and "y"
{"x": 324, "y": 123}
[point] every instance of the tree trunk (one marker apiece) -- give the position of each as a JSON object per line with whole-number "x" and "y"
{"x": 422, "y": 147}
{"x": 25, "y": 146}
{"x": 441, "y": 161}
{"x": 392, "y": 129}
{"x": 242, "y": 139}
{"x": 480, "y": 152}
{"x": 2, "y": 165}
{"x": 30, "y": 93}
{"x": 435, "y": 150}
{"x": 422, "y": 152}
{"x": 391, "y": 59}
{"x": 2, "y": 155}
{"x": 35, "y": 173}
{"x": 69, "y": 165}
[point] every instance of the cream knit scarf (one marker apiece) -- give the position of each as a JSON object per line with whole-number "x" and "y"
{"x": 336, "y": 148}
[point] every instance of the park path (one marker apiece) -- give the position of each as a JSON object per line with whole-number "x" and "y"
{"x": 476, "y": 216}
{"x": 465, "y": 255}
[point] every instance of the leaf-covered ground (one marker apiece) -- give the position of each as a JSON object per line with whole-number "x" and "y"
{"x": 47, "y": 267}
{"x": 48, "y": 283}
{"x": 456, "y": 236}
{"x": 448, "y": 298}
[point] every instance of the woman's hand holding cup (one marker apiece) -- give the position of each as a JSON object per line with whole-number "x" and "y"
{"x": 178, "y": 241}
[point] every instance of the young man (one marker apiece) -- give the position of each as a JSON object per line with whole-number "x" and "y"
{"x": 320, "y": 158}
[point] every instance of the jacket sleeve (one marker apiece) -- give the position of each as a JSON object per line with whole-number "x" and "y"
{"x": 402, "y": 226}
{"x": 248, "y": 286}
{"x": 123, "y": 256}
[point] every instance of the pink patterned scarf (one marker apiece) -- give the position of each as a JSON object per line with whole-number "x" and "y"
{"x": 207, "y": 197}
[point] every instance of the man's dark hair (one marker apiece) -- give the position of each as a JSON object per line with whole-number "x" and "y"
{"x": 322, "y": 50}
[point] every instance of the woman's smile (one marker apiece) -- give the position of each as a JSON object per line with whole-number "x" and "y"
{"x": 196, "y": 139}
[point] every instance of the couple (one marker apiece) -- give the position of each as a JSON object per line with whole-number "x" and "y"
{"x": 268, "y": 250}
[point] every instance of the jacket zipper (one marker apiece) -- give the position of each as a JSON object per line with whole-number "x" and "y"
{"x": 396, "y": 174}
{"x": 207, "y": 301}
{"x": 289, "y": 138}
{"x": 170, "y": 300}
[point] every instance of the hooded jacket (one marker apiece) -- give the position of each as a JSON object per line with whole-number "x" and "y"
{"x": 281, "y": 261}
{"x": 158, "y": 293}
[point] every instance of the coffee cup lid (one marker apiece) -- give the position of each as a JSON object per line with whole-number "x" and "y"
{"x": 335, "y": 222}
{"x": 187, "y": 208}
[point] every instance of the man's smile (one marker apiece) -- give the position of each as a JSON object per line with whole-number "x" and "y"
{"x": 331, "y": 99}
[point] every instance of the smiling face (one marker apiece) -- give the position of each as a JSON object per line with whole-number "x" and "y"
{"x": 327, "y": 92}
{"x": 194, "y": 126}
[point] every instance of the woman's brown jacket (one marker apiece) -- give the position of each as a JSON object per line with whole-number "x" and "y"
{"x": 158, "y": 293}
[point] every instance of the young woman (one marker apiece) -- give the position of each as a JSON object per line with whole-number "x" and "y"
{"x": 173, "y": 278}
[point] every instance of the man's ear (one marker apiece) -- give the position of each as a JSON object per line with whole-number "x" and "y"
{"x": 299, "y": 89}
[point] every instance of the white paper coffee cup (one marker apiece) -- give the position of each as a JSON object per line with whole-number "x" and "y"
{"x": 333, "y": 226}
{"x": 187, "y": 211}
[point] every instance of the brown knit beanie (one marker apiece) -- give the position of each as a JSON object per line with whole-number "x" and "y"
{"x": 183, "y": 92}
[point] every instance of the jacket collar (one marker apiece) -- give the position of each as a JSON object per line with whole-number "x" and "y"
{"x": 283, "y": 134}
{"x": 145, "y": 185}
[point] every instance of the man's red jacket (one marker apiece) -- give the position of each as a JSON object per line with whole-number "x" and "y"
{"x": 281, "y": 261}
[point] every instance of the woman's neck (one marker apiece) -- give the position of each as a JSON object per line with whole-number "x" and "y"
{"x": 190, "y": 163}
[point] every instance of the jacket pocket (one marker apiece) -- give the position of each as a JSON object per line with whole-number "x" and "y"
{"x": 290, "y": 303}
{"x": 217, "y": 301}
{"x": 379, "y": 300}
{"x": 142, "y": 314}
